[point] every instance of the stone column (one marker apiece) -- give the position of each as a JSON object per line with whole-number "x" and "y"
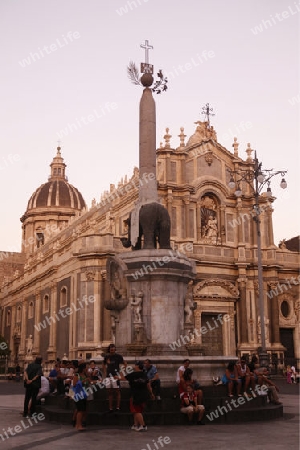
{"x": 222, "y": 223}
{"x": 53, "y": 309}
{"x": 243, "y": 326}
{"x": 97, "y": 308}
{"x": 198, "y": 220}
{"x": 106, "y": 321}
{"x": 240, "y": 225}
{"x": 168, "y": 168}
{"x": 22, "y": 350}
{"x": 12, "y": 327}
{"x": 169, "y": 202}
{"x": 37, "y": 319}
{"x": 187, "y": 217}
{"x": 274, "y": 317}
{"x": 270, "y": 225}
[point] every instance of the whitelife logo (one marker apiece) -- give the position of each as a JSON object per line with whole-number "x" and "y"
{"x": 48, "y": 49}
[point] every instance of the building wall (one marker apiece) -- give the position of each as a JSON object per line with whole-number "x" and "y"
{"x": 69, "y": 270}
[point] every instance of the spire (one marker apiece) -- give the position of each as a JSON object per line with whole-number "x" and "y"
{"x": 57, "y": 167}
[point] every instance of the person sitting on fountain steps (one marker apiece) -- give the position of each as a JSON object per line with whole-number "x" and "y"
{"x": 190, "y": 406}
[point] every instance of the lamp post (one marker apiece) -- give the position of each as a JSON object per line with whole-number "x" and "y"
{"x": 257, "y": 178}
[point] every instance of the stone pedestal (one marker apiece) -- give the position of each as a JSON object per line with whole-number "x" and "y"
{"x": 153, "y": 319}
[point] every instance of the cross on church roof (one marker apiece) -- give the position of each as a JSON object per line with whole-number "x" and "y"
{"x": 208, "y": 112}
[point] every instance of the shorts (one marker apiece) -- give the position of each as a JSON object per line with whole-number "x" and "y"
{"x": 111, "y": 383}
{"x": 81, "y": 405}
{"x": 136, "y": 408}
{"x": 191, "y": 409}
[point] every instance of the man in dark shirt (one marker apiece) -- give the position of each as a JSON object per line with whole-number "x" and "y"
{"x": 140, "y": 388}
{"x": 32, "y": 383}
{"x": 111, "y": 374}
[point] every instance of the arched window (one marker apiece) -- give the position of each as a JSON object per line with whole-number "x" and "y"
{"x": 19, "y": 314}
{"x": 46, "y": 303}
{"x": 63, "y": 296}
{"x": 8, "y": 319}
{"x": 30, "y": 310}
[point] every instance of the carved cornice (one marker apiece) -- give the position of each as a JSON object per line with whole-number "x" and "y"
{"x": 230, "y": 287}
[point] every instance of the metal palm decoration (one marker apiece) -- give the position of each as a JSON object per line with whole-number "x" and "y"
{"x": 133, "y": 73}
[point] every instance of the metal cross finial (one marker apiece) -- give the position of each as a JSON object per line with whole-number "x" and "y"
{"x": 147, "y": 47}
{"x": 208, "y": 112}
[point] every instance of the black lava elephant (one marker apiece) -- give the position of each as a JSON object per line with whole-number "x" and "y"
{"x": 154, "y": 226}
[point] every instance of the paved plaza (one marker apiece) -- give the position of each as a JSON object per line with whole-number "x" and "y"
{"x": 279, "y": 434}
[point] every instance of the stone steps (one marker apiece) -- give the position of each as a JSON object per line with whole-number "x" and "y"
{"x": 166, "y": 411}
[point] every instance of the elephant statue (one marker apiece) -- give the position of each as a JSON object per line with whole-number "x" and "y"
{"x": 154, "y": 226}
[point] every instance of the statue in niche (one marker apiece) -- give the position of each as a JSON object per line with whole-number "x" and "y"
{"x": 137, "y": 306}
{"x": 189, "y": 304}
{"x": 29, "y": 345}
{"x": 209, "y": 222}
{"x": 212, "y": 227}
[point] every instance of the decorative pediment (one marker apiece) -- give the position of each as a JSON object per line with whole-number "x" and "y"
{"x": 202, "y": 133}
{"x": 215, "y": 288}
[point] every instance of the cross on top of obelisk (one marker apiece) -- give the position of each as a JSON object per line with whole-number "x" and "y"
{"x": 146, "y": 67}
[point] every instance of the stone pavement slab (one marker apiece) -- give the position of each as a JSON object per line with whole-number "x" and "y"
{"x": 279, "y": 434}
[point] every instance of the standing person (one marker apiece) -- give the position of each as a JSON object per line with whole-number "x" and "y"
{"x": 140, "y": 388}
{"x": 32, "y": 383}
{"x": 153, "y": 377}
{"x": 18, "y": 372}
{"x": 111, "y": 373}
{"x": 80, "y": 383}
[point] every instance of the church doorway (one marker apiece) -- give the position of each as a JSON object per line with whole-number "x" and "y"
{"x": 212, "y": 338}
{"x": 287, "y": 340}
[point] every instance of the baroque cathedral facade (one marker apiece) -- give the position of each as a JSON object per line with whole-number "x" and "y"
{"x": 55, "y": 293}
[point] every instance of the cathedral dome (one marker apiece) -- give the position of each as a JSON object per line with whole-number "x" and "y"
{"x": 51, "y": 207}
{"x": 57, "y": 192}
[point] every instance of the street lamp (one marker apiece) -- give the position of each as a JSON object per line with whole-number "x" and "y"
{"x": 257, "y": 178}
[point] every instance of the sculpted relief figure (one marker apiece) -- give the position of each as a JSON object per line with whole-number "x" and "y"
{"x": 137, "y": 305}
{"x": 212, "y": 227}
{"x": 29, "y": 345}
{"x": 189, "y": 304}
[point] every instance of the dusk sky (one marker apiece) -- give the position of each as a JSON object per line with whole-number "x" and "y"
{"x": 64, "y": 63}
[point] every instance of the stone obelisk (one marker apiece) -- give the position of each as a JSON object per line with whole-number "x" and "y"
{"x": 147, "y": 144}
{"x": 152, "y": 316}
